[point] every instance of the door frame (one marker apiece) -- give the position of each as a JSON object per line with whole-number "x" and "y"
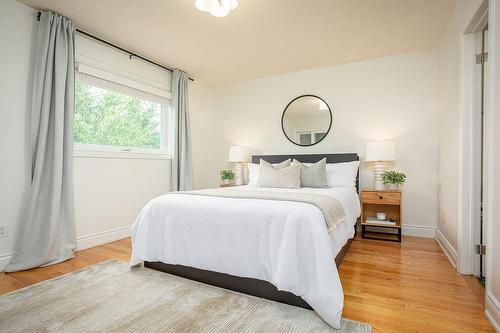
{"x": 491, "y": 209}
{"x": 489, "y": 10}
{"x": 467, "y": 147}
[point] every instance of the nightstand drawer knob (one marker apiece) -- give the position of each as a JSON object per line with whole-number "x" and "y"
{"x": 381, "y": 197}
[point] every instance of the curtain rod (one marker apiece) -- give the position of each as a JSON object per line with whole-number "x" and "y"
{"x": 130, "y": 54}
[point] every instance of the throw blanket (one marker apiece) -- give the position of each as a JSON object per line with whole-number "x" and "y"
{"x": 331, "y": 208}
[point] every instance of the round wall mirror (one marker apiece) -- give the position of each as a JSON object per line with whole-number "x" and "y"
{"x": 306, "y": 120}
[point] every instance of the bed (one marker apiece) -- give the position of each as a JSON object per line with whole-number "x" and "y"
{"x": 272, "y": 249}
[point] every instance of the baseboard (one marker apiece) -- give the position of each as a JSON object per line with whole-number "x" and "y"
{"x": 84, "y": 242}
{"x": 4, "y": 260}
{"x": 492, "y": 311}
{"x": 419, "y": 231}
{"x": 447, "y": 248}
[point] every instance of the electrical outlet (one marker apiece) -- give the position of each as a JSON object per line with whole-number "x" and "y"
{"x": 3, "y": 230}
{"x": 443, "y": 217}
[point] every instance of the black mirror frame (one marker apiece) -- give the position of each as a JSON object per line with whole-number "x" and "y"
{"x": 327, "y": 131}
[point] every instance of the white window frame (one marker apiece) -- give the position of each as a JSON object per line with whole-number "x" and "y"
{"x": 312, "y": 133}
{"x": 109, "y": 151}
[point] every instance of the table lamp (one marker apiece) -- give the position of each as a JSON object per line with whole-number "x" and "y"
{"x": 239, "y": 155}
{"x": 379, "y": 152}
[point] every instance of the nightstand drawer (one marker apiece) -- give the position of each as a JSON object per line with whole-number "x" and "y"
{"x": 382, "y": 198}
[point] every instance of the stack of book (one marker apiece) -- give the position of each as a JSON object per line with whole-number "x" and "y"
{"x": 374, "y": 220}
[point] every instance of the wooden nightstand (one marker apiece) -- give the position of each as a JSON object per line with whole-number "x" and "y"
{"x": 388, "y": 202}
{"x": 228, "y": 185}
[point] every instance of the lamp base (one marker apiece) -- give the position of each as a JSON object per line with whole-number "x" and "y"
{"x": 240, "y": 178}
{"x": 378, "y": 185}
{"x": 379, "y": 169}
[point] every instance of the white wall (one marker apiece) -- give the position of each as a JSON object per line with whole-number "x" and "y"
{"x": 449, "y": 112}
{"x": 17, "y": 33}
{"x": 202, "y": 133}
{"x": 449, "y": 98}
{"x": 109, "y": 192}
{"x": 386, "y": 98}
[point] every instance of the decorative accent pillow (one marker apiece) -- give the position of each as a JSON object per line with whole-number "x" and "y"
{"x": 313, "y": 175}
{"x": 285, "y": 177}
{"x": 280, "y": 165}
{"x": 253, "y": 170}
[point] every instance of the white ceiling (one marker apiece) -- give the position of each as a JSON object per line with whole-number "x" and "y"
{"x": 260, "y": 37}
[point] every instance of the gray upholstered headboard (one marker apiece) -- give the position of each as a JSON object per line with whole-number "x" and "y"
{"x": 311, "y": 158}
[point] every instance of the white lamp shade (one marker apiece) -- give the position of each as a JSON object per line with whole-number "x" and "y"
{"x": 239, "y": 154}
{"x": 380, "y": 151}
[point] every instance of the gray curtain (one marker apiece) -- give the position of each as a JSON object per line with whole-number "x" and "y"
{"x": 46, "y": 234}
{"x": 182, "y": 164}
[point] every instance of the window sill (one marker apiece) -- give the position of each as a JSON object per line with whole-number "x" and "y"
{"x": 84, "y": 153}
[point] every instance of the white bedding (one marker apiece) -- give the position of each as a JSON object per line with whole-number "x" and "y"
{"x": 283, "y": 242}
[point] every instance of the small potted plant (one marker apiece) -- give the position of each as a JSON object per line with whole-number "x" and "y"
{"x": 394, "y": 179}
{"x": 227, "y": 176}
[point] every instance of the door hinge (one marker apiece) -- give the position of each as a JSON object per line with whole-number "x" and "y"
{"x": 481, "y": 58}
{"x": 480, "y": 249}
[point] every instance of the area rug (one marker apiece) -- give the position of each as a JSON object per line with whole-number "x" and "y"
{"x": 112, "y": 297}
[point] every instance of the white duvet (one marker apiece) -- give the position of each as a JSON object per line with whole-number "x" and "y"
{"x": 285, "y": 243}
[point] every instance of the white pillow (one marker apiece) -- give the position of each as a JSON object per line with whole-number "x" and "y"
{"x": 342, "y": 174}
{"x": 253, "y": 173}
{"x": 253, "y": 170}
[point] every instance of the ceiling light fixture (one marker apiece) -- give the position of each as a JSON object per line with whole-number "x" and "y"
{"x": 219, "y": 8}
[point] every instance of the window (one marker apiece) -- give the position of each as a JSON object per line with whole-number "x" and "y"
{"x": 310, "y": 137}
{"x": 111, "y": 117}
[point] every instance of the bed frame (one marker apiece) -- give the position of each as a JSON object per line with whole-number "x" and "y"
{"x": 251, "y": 286}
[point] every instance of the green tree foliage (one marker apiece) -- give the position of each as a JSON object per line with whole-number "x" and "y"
{"x": 104, "y": 117}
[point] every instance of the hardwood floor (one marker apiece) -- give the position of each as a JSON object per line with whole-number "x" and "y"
{"x": 116, "y": 250}
{"x": 407, "y": 287}
{"x": 410, "y": 287}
